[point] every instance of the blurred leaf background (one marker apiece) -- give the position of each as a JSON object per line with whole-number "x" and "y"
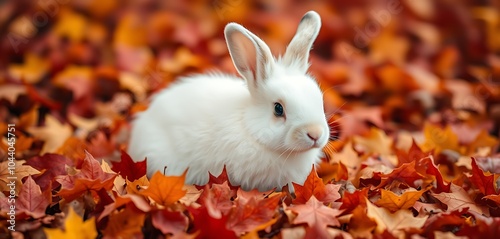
{"x": 73, "y": 73}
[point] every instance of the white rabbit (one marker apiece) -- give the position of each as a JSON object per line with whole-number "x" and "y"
{"x": 268, "y": 128}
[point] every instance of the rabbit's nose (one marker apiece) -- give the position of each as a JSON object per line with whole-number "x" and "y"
{"x": 314, "y": 138}
{"x": 314, "y": 132}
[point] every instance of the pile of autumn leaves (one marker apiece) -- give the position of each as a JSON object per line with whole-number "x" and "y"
{"x": 84, "y": 197}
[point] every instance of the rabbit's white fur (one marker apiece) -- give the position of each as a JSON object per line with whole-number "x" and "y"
{"x": 204, "y": 122}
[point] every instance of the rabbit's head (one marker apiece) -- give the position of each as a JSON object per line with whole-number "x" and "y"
{"x": 286, "y": 110}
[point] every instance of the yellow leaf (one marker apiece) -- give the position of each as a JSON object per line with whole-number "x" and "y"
{"x": 71, "y": 25}
{"x": 348, "y": 157}
{"x": 482, "y": 140}
{"x": 31, "y": 71}
{"x": 375, "y": 142}
{"x": 54, "y": 134}
{"x": 439, "y": 139}
{"x": 74, "y": 228}
{"x": 131, "y": 31}
{"x": 396, "y": 222}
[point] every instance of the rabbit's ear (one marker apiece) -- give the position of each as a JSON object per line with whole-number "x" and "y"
{"x": 297, "y": 53}
{"x": 251, "y": 56}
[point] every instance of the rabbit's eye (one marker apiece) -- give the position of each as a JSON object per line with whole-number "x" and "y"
{"x": 278, "y": 110}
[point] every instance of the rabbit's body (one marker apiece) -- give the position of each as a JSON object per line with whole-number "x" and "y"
{"x": 204, "y": 122}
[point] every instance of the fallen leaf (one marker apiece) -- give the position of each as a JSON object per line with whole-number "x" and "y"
{"x": 14, "y": 173}
{"x": 129, "y": 169}
{"x": 376, "y": 142}
{"x": 125, "y": 223}
{"x": 52, "y": 165}
{"x": 459, "y": 199}
{"x": 165, "y": 190}
{"x": 350, "y": 201}
{"x": 406, "y": 173}
{"x": 439, "y": 139}
{"x": 31, "y": 200}
{"x": 170, "y": 222}
{"x": 90, "y": 178}
{"x": 348, "y": 157}
{"x": 394, "y": 223}
{"x": 484, "y": 181}
{"x": 251, "y": 210}
{"x": 218, "y": 199}
{"x": 254, "y": 234}
{"x": 206, "y": 226}
{"x": 314, "y": 186}
{"x": 316, "y": 215}
{"x": 361, "y": 224}
{"x": 394, "y": 202}
{"x": 74, "y": 227}
{"x": 53, "y": 133}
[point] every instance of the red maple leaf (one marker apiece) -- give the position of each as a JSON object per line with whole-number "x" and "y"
{"x": 218, "y": 180}
{"x": 431, "y": 169}
{"x": 484, "y": 182}
{"x": 51, "y": 165}
{"x": 129, "y": 169}
{"x": 444, "y": 221}
{"x": 413, "y": 154}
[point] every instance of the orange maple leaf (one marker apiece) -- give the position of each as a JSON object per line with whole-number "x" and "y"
{"x": 165, "y": 190}
{"x": 395, "y": 202}
{"x": 350, "y": 201}
{"x": 314, "y": 186}
{"x": 439, "y": 139}
{"x": 90, "y": 178}
{"x": 252, "y": 209}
